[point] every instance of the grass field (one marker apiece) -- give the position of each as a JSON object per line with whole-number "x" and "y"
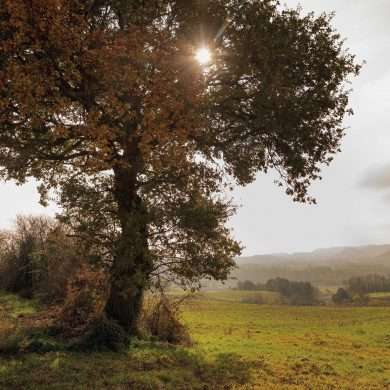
{"x": 380, "y": 295}
{"x": 237, "y": 346}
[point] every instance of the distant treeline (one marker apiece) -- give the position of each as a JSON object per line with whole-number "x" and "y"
{"x": 356, "y": 289}
{"x": 248, "y": 285}
{"x": 292, "y": 292}
{"x": 318, "y": 275}
{"x": 368, "y": 284}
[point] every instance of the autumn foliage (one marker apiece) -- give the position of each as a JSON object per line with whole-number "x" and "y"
{"x": 103, "y": 103}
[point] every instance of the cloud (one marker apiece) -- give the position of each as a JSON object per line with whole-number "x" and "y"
{"x": 386, "y": 199}
{"x": 377, "y": 179}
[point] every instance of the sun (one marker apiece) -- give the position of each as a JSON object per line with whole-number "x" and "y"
{"x": 203, "y": 55}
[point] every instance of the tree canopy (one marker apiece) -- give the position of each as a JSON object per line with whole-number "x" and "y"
{"x": 103, "y": 102}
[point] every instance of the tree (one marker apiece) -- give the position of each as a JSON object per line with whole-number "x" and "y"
{"x": 341, "y": 296}
{"x": 295, "y": 293}
{"x": 38, "y": 258}
{"x": 21, "y": 262}
{"x": 367, "y": 284}
{"x": 103, "y": 103}
{"x": 246, "y": 285}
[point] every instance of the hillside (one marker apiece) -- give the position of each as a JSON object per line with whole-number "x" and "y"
{"x": 323, "y": 267}
{"x": 325, "y": 256}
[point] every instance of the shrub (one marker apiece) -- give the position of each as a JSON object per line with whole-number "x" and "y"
{"x": 341, "y": 296}
{"x": 248, "y": 285}
{"x": 63, "y": 262}
{"x": 39, "y": 257}
{"x": 20, "y": 262}
{"x": 104, "y": 334}
{"x": 84, "y": 302}
{"x": 14, "y": 339}
{"x": 10, "y": 338}
{"x": 160, "y": 319}
{"x": 360, "y": 299}
{"x": 36, "y": 341}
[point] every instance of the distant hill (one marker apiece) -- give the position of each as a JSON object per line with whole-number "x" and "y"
{"x": 322, "y": 267}
{"x": 373, "y": 254}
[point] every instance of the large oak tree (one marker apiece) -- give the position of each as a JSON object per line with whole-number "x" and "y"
{"x": 104, "y": 103}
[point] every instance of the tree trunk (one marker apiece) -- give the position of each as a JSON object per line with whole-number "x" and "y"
{"x": 132, "y": 263}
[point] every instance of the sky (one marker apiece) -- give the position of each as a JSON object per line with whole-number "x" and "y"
{"x": 354, "y": 195}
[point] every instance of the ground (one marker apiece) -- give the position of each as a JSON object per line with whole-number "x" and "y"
{"x": 237, "y": 346}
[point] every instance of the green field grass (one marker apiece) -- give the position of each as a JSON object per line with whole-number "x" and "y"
{"x": 239, "y": 296}
{"x": 237, "y": 346}
{"x": 14, "y": 307}
{"x": 379, "y": 295}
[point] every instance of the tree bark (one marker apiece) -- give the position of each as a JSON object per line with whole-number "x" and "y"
{"x": 132, "y": 263}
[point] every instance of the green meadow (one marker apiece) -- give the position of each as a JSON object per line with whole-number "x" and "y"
{"x": 236, "y": 346}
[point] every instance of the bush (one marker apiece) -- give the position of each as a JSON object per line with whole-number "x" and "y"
{"x": 15, "y": 340}
{"x": 104, "y": 334}
{"x": 360, "y": 299}
{"x": 37, "y": 341}
{"x": 19, "y": 260}
{"x": 248, "y": 285}
{"x": 60, "y": 262}
{"x": 159, "y": 319}
{"x": 84, "y": 303}
{"x": 10, "y": 338}
{"x": 341, "y": 296}
{"x": 37, "y": 259}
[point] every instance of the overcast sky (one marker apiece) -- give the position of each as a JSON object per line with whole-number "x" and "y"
{"x": 354, "y": 196}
